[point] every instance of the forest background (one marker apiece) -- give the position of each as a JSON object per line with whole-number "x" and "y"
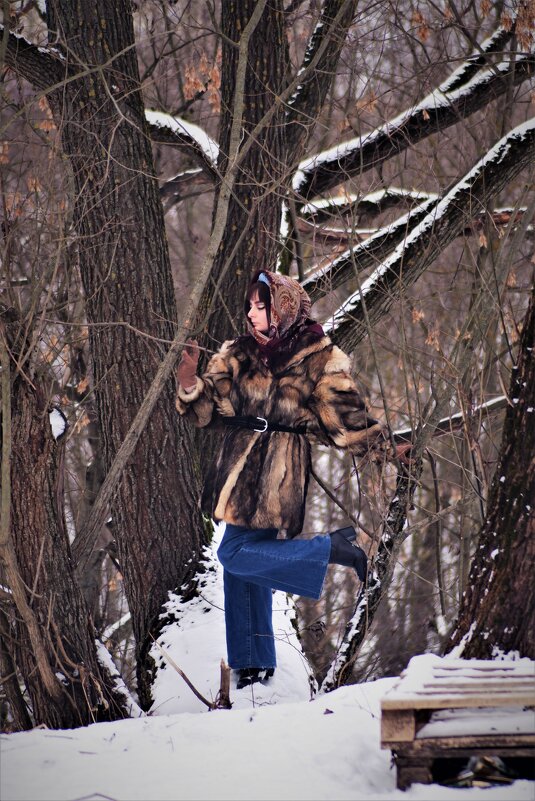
{"x": 154, "y": 154}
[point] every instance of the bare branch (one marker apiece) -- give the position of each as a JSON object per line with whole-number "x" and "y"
{"x": 447, "y": 425}
{"x": 440, "y": 226}
{"x": 307, "y": 100}
{"x": 43, "y": 67}
{"x": 444, "y": 107}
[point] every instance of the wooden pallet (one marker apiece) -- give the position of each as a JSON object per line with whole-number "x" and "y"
{"x": 457, "y": 708}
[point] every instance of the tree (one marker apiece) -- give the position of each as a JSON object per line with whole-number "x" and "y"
{"x": 497, "y": 613}
{"x": 51, "y": 638}
{"x": 290, "y": 190}
{"x": 130, "y": 304}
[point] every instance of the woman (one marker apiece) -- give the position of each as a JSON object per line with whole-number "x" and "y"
{"x": 271, "y": 392}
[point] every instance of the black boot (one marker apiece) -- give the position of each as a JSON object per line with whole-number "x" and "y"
{"x": 247, "y": 676}
{"x": 346, "y": 554}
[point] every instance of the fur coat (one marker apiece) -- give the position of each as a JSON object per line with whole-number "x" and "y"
{"x": 258, "y": 479}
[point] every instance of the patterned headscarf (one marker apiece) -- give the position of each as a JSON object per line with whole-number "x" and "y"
{"x": 289, "y": 309}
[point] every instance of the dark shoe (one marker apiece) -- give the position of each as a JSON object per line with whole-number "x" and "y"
{"x": 346, "y": 554}
{"x": 247, "y": 676}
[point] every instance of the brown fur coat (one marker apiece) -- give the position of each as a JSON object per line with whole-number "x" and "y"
{"x": 260, "y": 480}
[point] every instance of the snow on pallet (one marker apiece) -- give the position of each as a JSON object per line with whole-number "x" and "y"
{"x": 445, "y": 708}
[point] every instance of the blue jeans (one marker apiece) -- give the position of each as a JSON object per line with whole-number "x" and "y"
{"x": 255, "y": 562}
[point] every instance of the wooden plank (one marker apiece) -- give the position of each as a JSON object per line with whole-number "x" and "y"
{"x": 399, "y": 725}
{"x": 504, "y": 720}
{"x": 443, "y": 701}
{"x": 502, "y": 685}
{"x": 524, "y": 742}
{"x": 411, "y": 771}
{"x": 482, "y": 665}
{"x": 510, "y": 675}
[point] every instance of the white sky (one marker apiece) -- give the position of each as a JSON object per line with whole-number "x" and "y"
{"x": 275, "y": 744}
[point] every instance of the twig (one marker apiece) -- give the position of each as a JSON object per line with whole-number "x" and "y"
{"x": 209, "y": 704}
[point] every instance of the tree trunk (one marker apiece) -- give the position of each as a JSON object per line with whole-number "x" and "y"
{"x": 497, "y": 612}
{"x": 251, "y": 234}
{"x": 48, "y": 633}
{"x": 16, "y": 707}
{"x": 126, "y": 275}
{"x": 250, "y": 240}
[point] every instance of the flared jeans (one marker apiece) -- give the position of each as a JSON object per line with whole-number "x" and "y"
{"x": 255, "y": 563}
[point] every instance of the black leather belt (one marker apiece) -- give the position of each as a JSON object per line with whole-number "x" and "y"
{"x": 261, "y": 424}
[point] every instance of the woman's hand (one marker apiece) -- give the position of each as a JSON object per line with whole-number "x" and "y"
{"x": 187, "y": 368}
{"x": 403, "y": 453}
{"x": 384, "y": 451}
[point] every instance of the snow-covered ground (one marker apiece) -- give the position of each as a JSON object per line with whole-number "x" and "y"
{"x": 275, "y": 743}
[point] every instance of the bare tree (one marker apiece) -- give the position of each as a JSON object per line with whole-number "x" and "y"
{"x": 497, "y": 614}
{"x": 291, "y": 190}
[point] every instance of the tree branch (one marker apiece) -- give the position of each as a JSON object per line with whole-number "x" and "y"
{"x": 379, "y": 243}
{"x": 309, "y": 97}
{"x": 440, "y": 226}
{"x": 365, "y": 254}
{"x": 42, "y": 67}
{"x": 444, "y": 107}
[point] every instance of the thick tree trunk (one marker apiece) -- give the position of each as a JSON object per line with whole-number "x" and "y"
{"x": 126, "y": 275}
{"x": 498, "y": 608}
{"x": 48, "y": 633}
{"x": 250, "y": 240}
{"x": 14, "y": 708}
{"x": 251, "y": 234}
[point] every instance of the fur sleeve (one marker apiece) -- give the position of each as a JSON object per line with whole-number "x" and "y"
{"x": 211, "y": 394}
{"x": 341, "y": 412}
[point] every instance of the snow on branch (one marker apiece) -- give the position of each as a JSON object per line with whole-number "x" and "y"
{"x": 374, "y": 245}
{"x": 365, "y": 254}
{"x": 325, "y": 45}
{"x": 43, "y": 67}
{"x": 183, "y": 185}
{"x": 494, "y": 44}
{"x": 456, "y": 421}
{"x": 513, "y": 153}
{"x": 349, "y": 236}
{"x": 322, "y": 209}
{"x": 452, "y": 101}
{"x": 171, "y": 130}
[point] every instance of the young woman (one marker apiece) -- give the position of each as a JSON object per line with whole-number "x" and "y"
{"x": 272, "y": 392}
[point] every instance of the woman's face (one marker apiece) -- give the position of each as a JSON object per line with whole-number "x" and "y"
{"x": 257, "y": 314}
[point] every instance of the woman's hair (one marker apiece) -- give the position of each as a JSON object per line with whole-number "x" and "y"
{"x": 264, "y": 296}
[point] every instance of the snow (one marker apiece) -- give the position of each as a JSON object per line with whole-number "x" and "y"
{"x": 318, "y": 204}
{"x": 440, "y": 97}
{"x": 58, "y": 423}
{"x": 183, "y": 127}
{"x": 361, "y": 249}
{"x": 491, "y": 721}
{"x": 275, "y": 743}
{"x": 494, "y": 156}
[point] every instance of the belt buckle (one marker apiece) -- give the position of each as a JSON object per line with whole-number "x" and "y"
{"x": 265, "y": 422}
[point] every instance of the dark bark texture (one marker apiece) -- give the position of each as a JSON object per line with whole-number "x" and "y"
{"x": 126, "y": 275}
{"x": 498, "y": 608}
{"x": 250, "y": 240}
{"x": 84, "y": 691}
